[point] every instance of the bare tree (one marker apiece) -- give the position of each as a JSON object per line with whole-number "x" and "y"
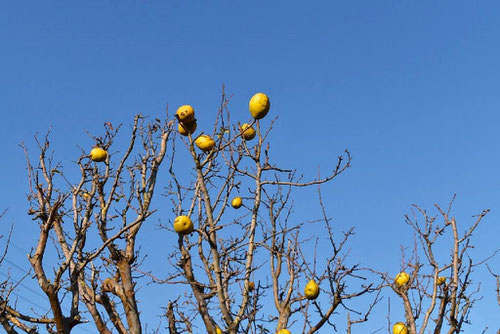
{"x": 248, "y": 264}
{"x": 110, "y": 202}
{"x": 440, "y": 288}
{"x": 86, "y": 251}
{"x": 223, "y": 257}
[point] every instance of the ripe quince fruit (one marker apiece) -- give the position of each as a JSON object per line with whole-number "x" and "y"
{"x": 248, "y": 131}
{"x": 402, "y": 278}
{"x": 284, "y": 331}
{"x": 399, "y": 328}
{"x": 236, "y": 202}
{"x": 441, "y": 280}
{"x": 186, "y": 128}
{"x": 98, "y": 154}
{"x": 185, "y": 113}
{"x": 259, "y": 105}
{"x": 311, "y": 291}
{"x": 205, "y": 143}
{"x": 183, "y": 225}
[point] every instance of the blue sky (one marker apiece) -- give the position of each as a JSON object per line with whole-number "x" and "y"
{"x": 410, "y": 88}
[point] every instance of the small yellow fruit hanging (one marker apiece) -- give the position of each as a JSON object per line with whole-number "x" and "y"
{"x": 98, "y": 154}
{"x": 441, "y": 280}
{"x": 183, "y": 225}
{"x": 204, "y": 143}
{"x": 236, "y": 202}
{"x": 402, "y": 278}
{"x": 259, "y": 105}
{"x": 251, "y": 286}
{"x": 185, "y": 113}
{"x": 399, "y": 328}
{"x": 284, "y": 331}
{"x": 186, "y": 128}
{"x": 248, "y": 131}
{"x": 311, "y": 291}
{"x": 218, "y": 330}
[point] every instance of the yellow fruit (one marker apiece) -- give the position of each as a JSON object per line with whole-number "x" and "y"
{"x": 251, "y": 286}
{"x": 236, "y": 202}
{"x": 98, "y": 154}
{"x": 402, "y": 278}
{"x": 441, "y": 280}
{"x": 399, "y": 328}
{"x": 218, "y": 330}
{"x": 86, "y": 195}
{"x": 204, "y": 143}
{"x": 185, "y": 128}
{"x": 284, "y": 331}
{"x": 183, "y": 225}
{"x": 248, "y": 131}
{"x": 185, "y": 113}
{"x": 259, "y": 105}
{"x": 311, "y": 291}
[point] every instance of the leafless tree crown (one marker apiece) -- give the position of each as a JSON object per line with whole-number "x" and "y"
{"x": 240, "y": 269}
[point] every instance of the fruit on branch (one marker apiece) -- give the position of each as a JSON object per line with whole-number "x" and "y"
{"x": 185, "y": 113}
{"x": 259, "y": 105}
{"x": 251, "y": 286}
{"x": 236, "y": 202}
{"x": 98, "y": 154}
{"x": 284, "y": 331}
{"x": 248, "y": 132}
{"x": 218, "y": 330}
{"x": 187, "y": 128}
{"x": 311, "y": 291}
{"x": 183, "y": 225}
{"x": 86, "y": 195}
{"x": 399, "y": 328}
{"x": 205, "y": 142}
{"x": 402, "y": 278}
{"x": 441, "y": 280}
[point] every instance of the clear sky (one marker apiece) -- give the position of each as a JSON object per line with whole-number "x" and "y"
{"x": 411, "y": 88}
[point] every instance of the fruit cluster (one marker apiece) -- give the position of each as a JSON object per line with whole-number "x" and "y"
{"x": 259, "y": 106}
